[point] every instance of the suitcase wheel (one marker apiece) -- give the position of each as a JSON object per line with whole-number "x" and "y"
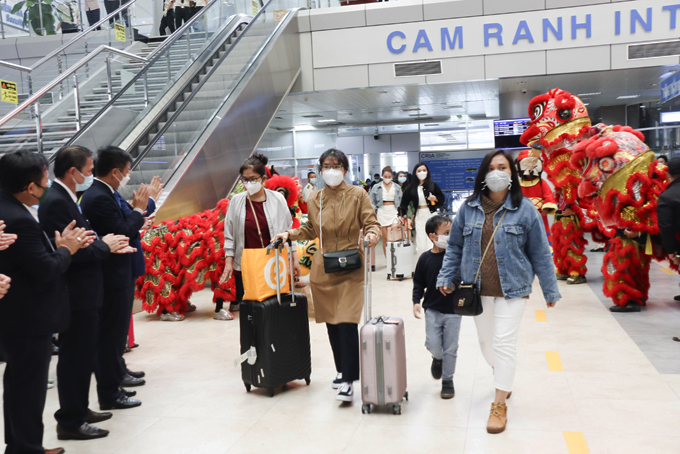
{"x": 247, "y": 387}
{"x": 401, "y": 278}
{"x": 389, "y": 276}
{"x": 366, "y": 409}
{"x": 308, "y": 380}
{"x": 270, "y": 391}
{"x": 396, "y": 409}
{"x": 406, "y": 396}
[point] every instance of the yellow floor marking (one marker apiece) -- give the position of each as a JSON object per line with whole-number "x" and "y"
{"x": 667, "y": 271}
{"x": 576, "y": 443}
{"x": 540, "y": 316}
{"x": 554, "y": 362}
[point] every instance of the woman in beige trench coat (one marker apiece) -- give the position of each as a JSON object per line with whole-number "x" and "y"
{"x": 338, "y": 297}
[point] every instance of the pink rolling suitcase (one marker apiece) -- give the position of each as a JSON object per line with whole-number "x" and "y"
{"x": 383, "y": 355}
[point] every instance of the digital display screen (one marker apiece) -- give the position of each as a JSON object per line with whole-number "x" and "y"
{"x": 506, "y": 133}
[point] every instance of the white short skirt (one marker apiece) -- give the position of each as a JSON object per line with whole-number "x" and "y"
{"x": 387, "y": 214}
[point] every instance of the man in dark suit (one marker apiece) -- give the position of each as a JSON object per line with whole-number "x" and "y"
{"x": 101, "y": 207}
{"x": 78, "y": 344}
{"x": 668, "y": 214}
{"x": 36, "y": 305}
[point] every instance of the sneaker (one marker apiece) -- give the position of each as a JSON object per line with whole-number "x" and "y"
{"x": 233, "y": 307}
{"x": 345, "y": 393}
{"x": 447, "y": 389}
{"x": 172, "y": 317}
{"x": 575, "y": 280}
{"x": 436, "y": 368}
{"x": 223, "y": 314}
{"x": 631, "y": 306}
{"x": 561, "y": 277}
{"x": 338, "y": 381}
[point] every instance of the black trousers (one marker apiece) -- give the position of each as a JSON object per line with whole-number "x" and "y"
{"x": 114, "y": 323}
{"x": 111, "y": 6}
{"x": 25, "y": 390}
{"x": 77, "y": 359}
{"x": 182, "y": 14}
{"x": 167, "y": 21}
{"x": 344, "y": 339}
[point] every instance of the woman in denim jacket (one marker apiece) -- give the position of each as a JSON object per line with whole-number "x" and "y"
{"x": 518, "y": 251}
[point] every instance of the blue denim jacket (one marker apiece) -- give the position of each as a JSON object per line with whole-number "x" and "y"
{"x": 522, "y": 250}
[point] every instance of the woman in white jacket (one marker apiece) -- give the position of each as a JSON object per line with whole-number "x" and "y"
{"x": 253, "y": 218}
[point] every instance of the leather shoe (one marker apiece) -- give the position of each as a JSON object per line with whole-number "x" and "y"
{"x": 676, "y": 297}
{"x": 122, "y": 403}
{"x": 84, "y": 432}
{"x": 93, "y": 417}
{"x": 630, "y": 306}
{"x": 128, "y": 392}
{"x": 136, "y": 374}
{"x": 130, "y": 382}
{"x": 55, "y": 451}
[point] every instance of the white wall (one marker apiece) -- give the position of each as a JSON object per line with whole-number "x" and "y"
{"x": 348, "y": 47}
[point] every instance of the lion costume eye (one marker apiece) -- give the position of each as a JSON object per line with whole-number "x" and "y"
{"x": 564, "y": 114}
{"x": 606, "y": 164}
{"x": 538, "y": 110}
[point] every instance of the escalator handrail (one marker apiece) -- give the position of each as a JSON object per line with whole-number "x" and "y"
{"x": 175, "y": 115}
{"x": 78, "y": 37}
{"x": 238, "y": 19}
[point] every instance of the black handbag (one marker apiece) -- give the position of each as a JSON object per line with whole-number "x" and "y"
{"x": 334, "y": 262}
{"x": 466, "y": 297}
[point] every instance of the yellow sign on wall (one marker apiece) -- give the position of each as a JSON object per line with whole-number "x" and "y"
{"x": 120, "y": 32}
{"x": 280, "y": 14}
{"x": 8, "y": 92}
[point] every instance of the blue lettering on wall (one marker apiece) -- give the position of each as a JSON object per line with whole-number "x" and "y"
{"x": 673, "y": 9}
{"x": 457, "y": 36}
{"x": 390, "y": 37}
{"x": 422, "y": 41}
{"x": 617, "y": 23}
{"x": 547, "y": 25}
{"x": 495, "y": 34}
{"x": 575, "y": 26}
{"x": 636, "y": 18}
{"x": 523, "y": 32}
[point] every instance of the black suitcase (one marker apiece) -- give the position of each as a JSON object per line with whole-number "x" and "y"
{"x": 276, "y": 332}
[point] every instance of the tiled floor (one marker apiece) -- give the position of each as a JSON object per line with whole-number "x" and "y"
{"x": 610, "y": 394}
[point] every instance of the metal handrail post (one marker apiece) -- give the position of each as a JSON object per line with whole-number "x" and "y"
{"x": 76, "y": 95}
{"x": 189, "y": 44}
{"x": 42, "y": 27}
{"x": 146, "y": 90}
{"x": 30, "y": 85}
{"x": 61, "y": 84}
{"x": 169, "y": 66}
{"x": 109, "y": 84}
{"x": 38, "y": 127}
{"x": 2, "y": 27}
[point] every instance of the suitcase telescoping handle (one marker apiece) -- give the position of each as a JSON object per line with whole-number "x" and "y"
{"x": 368, "y": 283}
{"x": 277, "y": 246}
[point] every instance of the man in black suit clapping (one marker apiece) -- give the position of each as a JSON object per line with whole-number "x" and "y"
{"x": 36, "y": 305}
{"x": 101, "y": 207}
{"x": 78, "y": 344}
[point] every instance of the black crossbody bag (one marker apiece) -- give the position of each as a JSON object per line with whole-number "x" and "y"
{"x": 466, "y": 297}
{"x": 334, "y": 262}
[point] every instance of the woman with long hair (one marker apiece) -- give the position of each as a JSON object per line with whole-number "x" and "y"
{"x": 386, "y": 197}
{"x": 426, "y": 198}
{"x": 500, "y": 235}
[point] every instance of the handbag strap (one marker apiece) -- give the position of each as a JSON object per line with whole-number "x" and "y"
{"x": 489, "y": 245}
{"x": 320, "y": 229}
{"x": 257, "y": 223}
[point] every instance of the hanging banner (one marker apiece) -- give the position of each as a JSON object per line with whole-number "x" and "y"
{"x": 256, "y": 7}
{"x": 120, "y": 32}
{"x": 8, "y": 92}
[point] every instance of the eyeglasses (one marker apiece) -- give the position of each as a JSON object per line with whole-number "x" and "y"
{"x": 251, "y": 180}
{"x": 338, "y": 167}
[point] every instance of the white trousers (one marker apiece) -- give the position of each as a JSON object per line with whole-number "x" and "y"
{"x": 498, "y": 330}
{"x": 423, "y": 242}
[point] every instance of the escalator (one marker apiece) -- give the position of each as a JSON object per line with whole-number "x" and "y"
{"x": 197, "y": 137}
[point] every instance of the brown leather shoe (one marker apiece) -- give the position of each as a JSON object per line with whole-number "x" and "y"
{"x": 55, "y": 451}
{"x": 497, "y": 419}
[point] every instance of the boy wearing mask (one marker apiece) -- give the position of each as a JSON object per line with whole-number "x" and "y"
{"x": 442, "y": 326}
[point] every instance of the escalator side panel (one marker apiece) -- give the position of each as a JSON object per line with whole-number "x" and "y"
{"x": 211, "y": 167}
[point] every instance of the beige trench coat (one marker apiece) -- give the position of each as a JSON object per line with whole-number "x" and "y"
{"x": 338, "y": 297}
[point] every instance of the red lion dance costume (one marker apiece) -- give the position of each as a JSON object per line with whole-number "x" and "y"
{"x": 617, "y": 179}
{"x": 559, "y": 121}
{"x": 534, "y": 187}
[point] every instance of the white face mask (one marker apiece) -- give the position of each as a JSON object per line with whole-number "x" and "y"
{"x": 387, "y": 180}
{"x": 253, "y": 187}
{"x": 498, "y": 181}
{"x": 124, "y": 181}
{"x": 422, "y": 175}
{"x": 332, "y": 177}
{"x": 85, "y": 185}
{"x": 442, "y": 241}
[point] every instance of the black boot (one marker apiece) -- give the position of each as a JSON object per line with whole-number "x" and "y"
{"x": 631, "y": 306}
{"x": 447, "y": 389}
